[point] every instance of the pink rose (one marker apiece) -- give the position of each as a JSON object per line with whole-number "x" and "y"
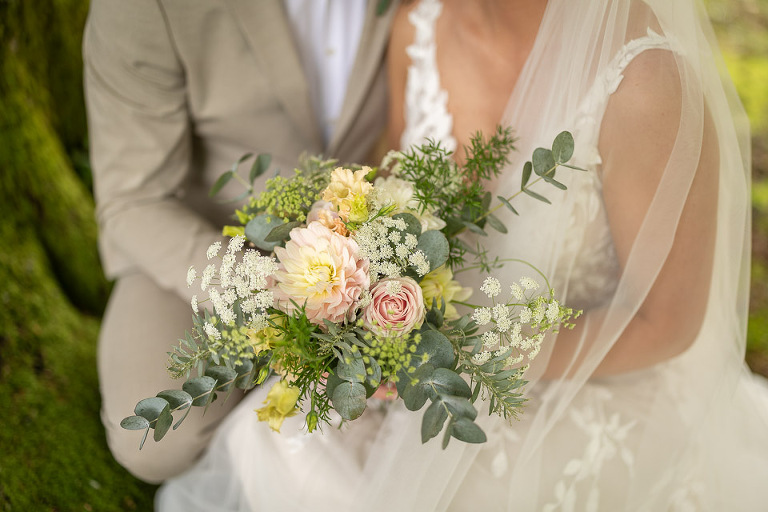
{"x": 396, "y": 307}
{"x": 321, "y": 270}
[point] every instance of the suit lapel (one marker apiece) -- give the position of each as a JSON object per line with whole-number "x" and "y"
{"x": 372, "y": 45}
{"x": 268, "y": 32}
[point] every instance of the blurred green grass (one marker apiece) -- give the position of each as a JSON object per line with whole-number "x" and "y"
{"x": 54, "y": 455}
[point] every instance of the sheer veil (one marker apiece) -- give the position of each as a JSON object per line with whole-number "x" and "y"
{"x": 687, "y": 430}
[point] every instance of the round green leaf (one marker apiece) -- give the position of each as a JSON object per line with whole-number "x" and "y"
{"x": 447, "y": 382}
{"x": 433, "y": 420}
{"x": 465, "y": 430}
{"x": 281, "y": 232}
{"x": 224, "y": 376}
{"x": 412, "y": 389}
{"x": 259, "y": 228}
{"x": 201, "y": 389}
{"x": 543, "y": 161}
{"x": 562, "y": 147}
{"x": 459, "y": 406}
{"x": 435, "y": 247}
{"x": 373, "y": 379}
{"x": 178, "y": 399}
{"x": 151, "y": 408}
{"x": 330, "y": 384}
{"x": 438, "y": 348}
{"x": 351, "y": 367}
{"x": 163, "y": 424}
{"x": 245, "y": 374}
{"x": 135, "y": 423}
{"x": 349, "y": 400}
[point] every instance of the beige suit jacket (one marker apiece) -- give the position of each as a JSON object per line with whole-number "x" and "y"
{"x": 177, "y": 91}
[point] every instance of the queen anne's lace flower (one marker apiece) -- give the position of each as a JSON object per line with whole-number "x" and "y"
{"x": 211, "y": 331}
{"x": 213, "y": 250}
{"x": 491, "y": 287}
{"x": 191, "y": 276}
{"x": 482, "y": 316}
{"x": 529, "y": 284}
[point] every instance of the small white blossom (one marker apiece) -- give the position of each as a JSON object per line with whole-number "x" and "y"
{"x": 208, "y": 275}
{"x": 529, "y": 284}
{"x": 227, "y": 316}
{"x": 365, "y": 298}
{"x": 514, "y": 359}
{"x": 213, "y": 250}
{"x": 490, "y": 339}
{"x": 410, "y": 240}
{"x": 402, "y": 251}
{"x": 394, "y": 287}
{"x": 395, "y": 237}
{"x": 517, "y": 292}
{"x": 525, "y": 315}
{"x": 481, "y": 358}
{"x": 211, "y": 331}
{"x": 419, "y": 260}
{"x": 553, "y": 311}
{"x": 539, "y": 312}
{"x": 264, "y": 299}
{"x": 235, "y": 244}
{"x": 500, "y": 312}
{"x": 504, "y": 324}
{"x": 259, "y": 322}
{"x": 491, "y": 287}
{"x": 194, "y": 304}
{"x": 482, "y": 316}
{"x": 191, "y": 276}
{"x": 229, "y": 296}
{"x": 385, "y": 252}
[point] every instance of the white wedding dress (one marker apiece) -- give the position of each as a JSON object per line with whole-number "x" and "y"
{"x": 689, "y": 434}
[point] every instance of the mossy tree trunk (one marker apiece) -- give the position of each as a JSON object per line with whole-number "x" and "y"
{"x": 52, "y": 290}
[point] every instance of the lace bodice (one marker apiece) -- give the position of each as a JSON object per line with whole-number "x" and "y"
{"x": 589, "y": 256}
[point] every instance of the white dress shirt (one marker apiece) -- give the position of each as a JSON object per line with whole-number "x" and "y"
{"x": 327, "y": 33}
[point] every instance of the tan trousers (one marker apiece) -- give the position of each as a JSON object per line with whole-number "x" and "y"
{"x": 142, "y": 323}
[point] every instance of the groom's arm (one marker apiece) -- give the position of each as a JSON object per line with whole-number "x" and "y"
{"x": 141, "y": 144}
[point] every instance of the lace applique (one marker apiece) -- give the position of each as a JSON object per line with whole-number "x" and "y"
{"x": 426, "y": 103}
{"x": 605, "y": 447}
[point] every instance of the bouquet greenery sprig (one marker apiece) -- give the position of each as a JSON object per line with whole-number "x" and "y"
{"x": 340, "y": 279}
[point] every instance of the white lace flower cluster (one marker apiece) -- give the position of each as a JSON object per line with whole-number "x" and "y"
{"x": 519, "y": 325}
{"x": 234, "y": 282}
{"x": 390, "y": 250}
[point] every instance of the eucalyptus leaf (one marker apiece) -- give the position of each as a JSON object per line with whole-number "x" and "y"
{"x": 496, "y": 224}
{"x": 445, "y": 382}
{"x": 259, "y": 228}
{"x": 475, "y": 228}
{"x": 411, "y": 387}
{"x": 135, "y": 423}
{"x": 372, "y": 377}
{"x": 435, "y": 317}
{"x": 554, "y": 182}
{"x": 245, "y": 373}
{"x": 330, "y": 384}
{"x": 435, "y": 247}
{"x": 223, "y": 180}
{"x": 351, "y": 367}
{"x": 466, "y": 430}
{"x": 178, "y": 399}
{"x": 459, "y": 406}
{"x": 259, "y": 167}
{"x": 224, "y": 376}
{"x": 543, "y": 161}
{"x": 537, "y": 196}
{"x": 437, "y": 347}
{"x": 200, "y": 388}
{"x": 562, "y": 147}
{"x": 281, "y": 232}
{"x": 163, "y": 424}
{"x": 151, "y": 408}
{"x": 433, "y": 420}
{"x": 527, "y": 169}
{"x": 506, "y": 203}
{"x": 349, "y": 400}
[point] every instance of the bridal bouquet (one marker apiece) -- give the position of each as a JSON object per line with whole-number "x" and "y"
{"x": 339, "y": 280}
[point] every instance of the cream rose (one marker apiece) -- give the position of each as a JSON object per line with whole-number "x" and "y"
{"x": 396, "y": 307}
